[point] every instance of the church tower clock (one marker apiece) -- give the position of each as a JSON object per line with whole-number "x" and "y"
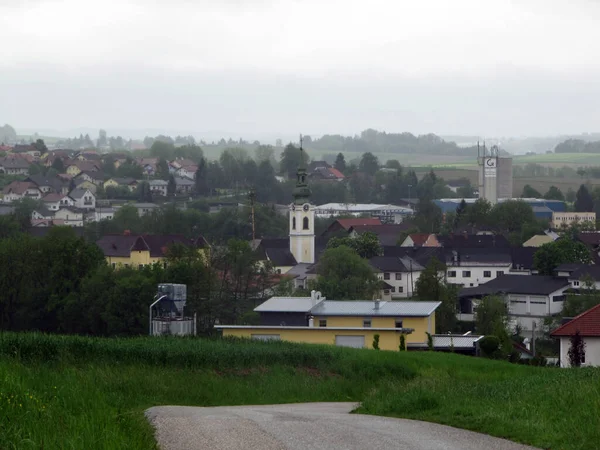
{"x": 302, "y": 218}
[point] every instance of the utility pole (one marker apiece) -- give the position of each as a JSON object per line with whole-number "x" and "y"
{"x": 252, "y": 197}
{"x": 533, "y": 338}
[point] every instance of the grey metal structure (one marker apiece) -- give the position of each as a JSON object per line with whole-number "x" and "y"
{"x": 169, "y": 303}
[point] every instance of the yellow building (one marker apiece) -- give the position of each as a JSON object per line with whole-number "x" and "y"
{"x": 73, "y": 170}
{"x": 138, "y": 251}
{"x": 344, "y": 323}
{"x": 129, "y": 183}
{"x": 565, "y": 219}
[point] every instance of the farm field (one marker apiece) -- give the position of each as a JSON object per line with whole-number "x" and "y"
{"x": 560, "y": 159}
{"x": 60, "y": 392}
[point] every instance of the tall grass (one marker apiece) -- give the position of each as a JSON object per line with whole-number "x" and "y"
{"x": 65, "y": 392}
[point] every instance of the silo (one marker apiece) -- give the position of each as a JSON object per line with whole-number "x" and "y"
{"x": 505, "y": 177}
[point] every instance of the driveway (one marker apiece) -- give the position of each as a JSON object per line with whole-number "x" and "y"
{"x": 304, "y": 426}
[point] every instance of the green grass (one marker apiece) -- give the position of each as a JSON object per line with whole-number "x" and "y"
{"x": 583, "y": 159}
{"x": 72, "y": 393}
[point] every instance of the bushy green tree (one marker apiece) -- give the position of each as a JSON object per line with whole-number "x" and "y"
{"x": 583, "y": 200}
{"x": 564, "y": 250}
{"x": 431, "y": 286}
{"x": 344, "y": 275}
{"x": 366, "y": 245}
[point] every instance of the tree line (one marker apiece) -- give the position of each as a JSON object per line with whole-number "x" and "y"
{"x": 61, "y": 283}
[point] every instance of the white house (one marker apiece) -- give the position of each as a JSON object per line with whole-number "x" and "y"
{"x": 588, "y": 325}
{"x": 472, "y": 267}
{"x": 187, "y": 172}
{"x": 69, "y": 216}
{"x": 530, "y": 298}
{"x": 158, "y": 187}
{"x": 399, "y": 275}
{"x": 83, "y": 198}
{"x": 20, "y": 189}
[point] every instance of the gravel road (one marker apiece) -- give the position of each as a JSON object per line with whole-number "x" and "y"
{"x": 322, "y": 426}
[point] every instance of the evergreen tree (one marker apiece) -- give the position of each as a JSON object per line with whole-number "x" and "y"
{"x": 576, "y": 350}
{"x": 340, "y": 162}
{"x": 583, "y": 200}
{"x": 172, "y": 186}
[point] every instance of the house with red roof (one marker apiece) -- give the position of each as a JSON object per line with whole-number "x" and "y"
{"x": 588, "y": 326}
{"x": 344, "y": 225}
{"x": 421, "y": 240}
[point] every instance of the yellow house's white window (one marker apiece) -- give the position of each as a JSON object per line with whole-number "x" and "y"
{"x": 367, "y": 323}
{"x": 323, "y": 323}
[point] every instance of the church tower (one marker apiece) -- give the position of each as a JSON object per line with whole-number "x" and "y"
{"x": 302, "y": 218}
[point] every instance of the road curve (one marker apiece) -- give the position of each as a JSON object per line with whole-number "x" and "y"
{"x": 322, "y": 426}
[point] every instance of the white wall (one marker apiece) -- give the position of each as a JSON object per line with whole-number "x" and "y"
{"x": 476, "y": 276}
{"x": 592, "y": 351}
{"x": 403, "y": 286}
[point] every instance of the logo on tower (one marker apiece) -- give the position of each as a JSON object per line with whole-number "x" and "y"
{"x": 490, "y": 165}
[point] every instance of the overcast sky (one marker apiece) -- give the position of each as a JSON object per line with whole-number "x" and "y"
{"x": 263, "y": 68}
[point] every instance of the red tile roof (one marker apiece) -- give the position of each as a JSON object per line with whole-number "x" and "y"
{"x": 419, "y": 238}
{"x": 587, "y": 323}
{"x": 336, "y": 172}
{"x": 349, "y": 223}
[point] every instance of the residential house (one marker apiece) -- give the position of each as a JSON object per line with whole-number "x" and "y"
{"x": 474, "y": 266}
{"x": 158, "y": 187}
{"x": 178, "y": 163}
{"x": 591, "y": 239}
{"x": 54, "y": 201}
{"x": 326, "y": 174}
{"x": 455, "y": 185}
{"x": 29, "y": 150}
{"x": 105, "y": 213}
{"x": 421, "y": 240}
{"x": 530, "y": 298}
{"x": 566, "y": 219}
{"x": 186, "y": 185}
{"x": 588, "y": 326}
{"x": 89, "y": 155}
{"x": 85, "y": 184}
{"x": 148, "y": 165}
{"x": 83, "y": 198}
{"x": 145, "y": 208}
{"x": 41, "y": 213}
{"x": 342, "y": 323}
{"x": 14, "y": 166}
{"x": 582, "y": 274}
{"x": 47, "y": 184}
{"x": 140, "y": 250}
{"x": 70, "y": 216}
{"x": 95, "y": 177}
{"x": 187, "y": 172}
{"x": 456, "y": 241}
{"x": 277, "y": 253}
{"x": 538, "y": 240}
{"x": 114, "y": 182}
{"x": 388, "y": 234}
{"x": 75, "y": 167}
{"x": 17, "y": 190}
{"x": 343, "y": 226}
{"x": 398, "y": 274}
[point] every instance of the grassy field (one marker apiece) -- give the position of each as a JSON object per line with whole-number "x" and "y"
{"x": 560, "y": 159}
{"x": 73, "y": 393}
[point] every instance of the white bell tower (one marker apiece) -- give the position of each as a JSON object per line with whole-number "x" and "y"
{"x": 302, "y": 218}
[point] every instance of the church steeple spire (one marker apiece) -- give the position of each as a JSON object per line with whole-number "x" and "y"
{"x": 301, "y": 192}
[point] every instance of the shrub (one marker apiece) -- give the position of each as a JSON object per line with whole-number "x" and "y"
{"x": 489, "y": 345}
{"x": 429, "y": 342}
{"x": 376, "y": 342}
{"x": 402, "y": 343}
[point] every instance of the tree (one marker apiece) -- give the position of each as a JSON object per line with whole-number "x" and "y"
{"x": 576, "y": 350}
{"x": 40, "y": 146}
{"x": 466, "y": 190}
{"x": 510, "y": 215}
{"x": 369, "y": 163}
{"x": 200, "y": 184}
{"x": 291, "y": 159}
{"x": 564, "y": 250}
{"x": 340, "y": 163}
{"x": 583, "y": 200}
{"x": 162, "y": 169}
{"x": 431, "y": 286}
{"x": 491, "y": 316}
{"x": 58, "y": 165}
{"x": 365, "y": 245}
{"x": 587, "y": 297}
{"x": 478, "y": 213}
{"x": 428, "y": 216}
{"x": 530, "y": 192}
{"x": 172, "y": 186}
{"x": 344, "y": 275}
{"x": 554, "y": 193}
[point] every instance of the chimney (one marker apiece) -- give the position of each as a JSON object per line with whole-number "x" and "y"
{"x": 377, "y": 302}
{"x": 311, "y": 321}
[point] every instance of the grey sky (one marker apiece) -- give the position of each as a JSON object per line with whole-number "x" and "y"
{"x": 262, "y": 67}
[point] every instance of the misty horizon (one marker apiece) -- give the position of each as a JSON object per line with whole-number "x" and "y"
{"x": 257, "y": 68}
